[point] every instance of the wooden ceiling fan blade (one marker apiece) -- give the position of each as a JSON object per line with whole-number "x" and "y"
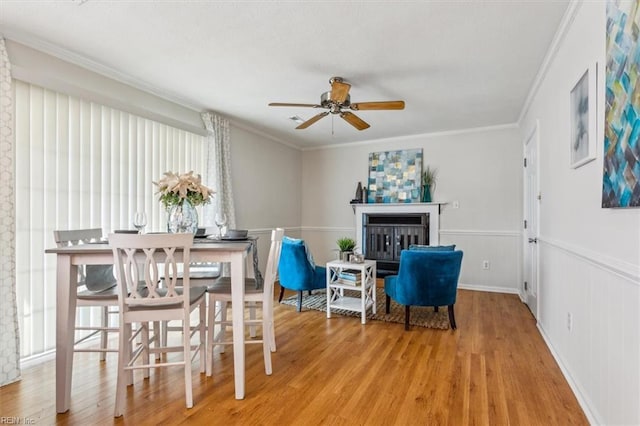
{"x": 312, "y": 120}
{"x": 362, "y": 106}
{"x": 282, "y": 104}
{"x": 354, "y": 120}
{"x": 339, "y": 91}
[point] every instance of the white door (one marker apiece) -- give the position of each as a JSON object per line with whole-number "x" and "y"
{"x": 531, "y": 214}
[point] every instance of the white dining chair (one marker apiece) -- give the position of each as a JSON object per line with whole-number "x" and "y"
{"x": 220, "y": 295}
{"x": 145, "y": 258}
{"x": 200, "y": 274}
{"x": 96, "y": 288}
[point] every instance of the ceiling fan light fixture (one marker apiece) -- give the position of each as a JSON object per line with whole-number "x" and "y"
{"x": 327, "y": 102}
{"x": 335, "y": 102}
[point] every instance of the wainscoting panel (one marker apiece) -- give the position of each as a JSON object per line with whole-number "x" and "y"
{"x": 503, "y": 251}
{"x": 589, "y": 319}
{"x": 501, "y": 248}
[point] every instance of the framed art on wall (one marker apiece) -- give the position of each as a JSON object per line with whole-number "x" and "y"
{"x": 394, "y": 176}
{"x": 583, "y": 118}
{"x": 621, "y": 148}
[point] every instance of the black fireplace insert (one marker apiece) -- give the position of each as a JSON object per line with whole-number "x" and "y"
{"x": 386, "y": 235}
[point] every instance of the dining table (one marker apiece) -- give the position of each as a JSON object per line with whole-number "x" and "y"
{"x": 68, "y": 259}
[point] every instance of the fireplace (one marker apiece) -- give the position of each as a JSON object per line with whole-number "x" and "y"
{"x": 384, "y": 230}
{"x": 386, "y": 235}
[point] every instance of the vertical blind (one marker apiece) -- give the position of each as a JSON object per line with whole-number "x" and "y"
{"x": 82, "y": 165}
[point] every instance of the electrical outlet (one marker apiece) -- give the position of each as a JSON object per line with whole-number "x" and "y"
{"x": 456, "y": 204}
{"x": 485, "y": 264}
{"x": 569, "y": 321}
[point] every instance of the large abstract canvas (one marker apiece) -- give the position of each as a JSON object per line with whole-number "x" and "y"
{"x": 394, "y": 176}
{"x": 621, "y": 167}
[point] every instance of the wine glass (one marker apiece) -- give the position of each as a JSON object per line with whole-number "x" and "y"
{"x": 140, "y": 221}
{"x": 221, "y": 221}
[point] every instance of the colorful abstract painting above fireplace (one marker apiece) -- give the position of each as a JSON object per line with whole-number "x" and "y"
{"x": 394, "y": 176}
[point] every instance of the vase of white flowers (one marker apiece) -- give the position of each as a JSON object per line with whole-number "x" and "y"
{"x": 180, "y": 194}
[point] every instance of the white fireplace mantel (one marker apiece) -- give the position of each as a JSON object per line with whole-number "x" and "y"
{"x": 433, "y": 209}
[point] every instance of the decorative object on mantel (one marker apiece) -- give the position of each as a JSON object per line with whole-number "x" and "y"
{"x": 180, "y": 194}
{"x": 621, "y": 170}
{"x": 346, "y": 246}
{"x": 428, "y": 183}
{"x": 394, "y": 176}
{"x": 359, "y": 192}
{"x": 359, "y": 195}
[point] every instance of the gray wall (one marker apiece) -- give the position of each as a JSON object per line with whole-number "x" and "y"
{"x": 267, "y": 178}
{"x": 480, "y": 169}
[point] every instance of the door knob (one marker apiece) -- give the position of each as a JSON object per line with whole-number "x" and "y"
{"x": 533, "y": 240}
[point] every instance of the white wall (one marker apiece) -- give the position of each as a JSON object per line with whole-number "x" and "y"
{"x": 589, "y": 256}
{"x": 481, "y": 169}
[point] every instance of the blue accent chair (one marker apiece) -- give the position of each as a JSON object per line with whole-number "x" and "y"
{"x": 297, "y": 271}
{"x": 425, "y": 278}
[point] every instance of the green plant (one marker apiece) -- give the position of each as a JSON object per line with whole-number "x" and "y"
{"x": 346, "y": 244}
{"x": 429, "y": 177}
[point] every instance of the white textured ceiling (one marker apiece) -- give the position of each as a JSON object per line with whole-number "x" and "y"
{"x": 456, "y": 64}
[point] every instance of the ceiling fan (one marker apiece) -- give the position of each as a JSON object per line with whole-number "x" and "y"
{"x": 337, "y": 100}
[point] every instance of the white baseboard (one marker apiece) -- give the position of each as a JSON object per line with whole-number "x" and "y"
{"x": 490, "y": 289}
{"x": 50, "y": 355}
{"x": 32, "y": 361}
{"x": 577, "y": 391}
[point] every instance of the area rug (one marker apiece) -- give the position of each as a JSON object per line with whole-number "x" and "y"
{"x": 420, "y": 315}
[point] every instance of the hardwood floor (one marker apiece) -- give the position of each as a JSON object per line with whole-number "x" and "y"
{"x": 493, "y": 370}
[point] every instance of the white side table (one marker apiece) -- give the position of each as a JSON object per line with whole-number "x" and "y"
{"x": 365, "y": 284}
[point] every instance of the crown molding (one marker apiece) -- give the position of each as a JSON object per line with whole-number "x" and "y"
{"x": 97, "y": 67}
{"x": 409, "y": 138}
{"x": 561, "y": 33}
{"x": 260, "y": 133}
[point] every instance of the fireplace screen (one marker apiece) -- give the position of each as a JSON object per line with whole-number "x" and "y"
{"x": 386, "y": 235}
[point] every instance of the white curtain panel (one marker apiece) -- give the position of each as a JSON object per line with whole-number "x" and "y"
{"x": 219, "y": 165}
{"x": 9, "y": 334}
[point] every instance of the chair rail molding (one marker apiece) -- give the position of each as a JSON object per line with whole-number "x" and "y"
{"x": 344, "y": 229}
{"x": 481, "y": 233}
{"x": 626, "y": 270}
